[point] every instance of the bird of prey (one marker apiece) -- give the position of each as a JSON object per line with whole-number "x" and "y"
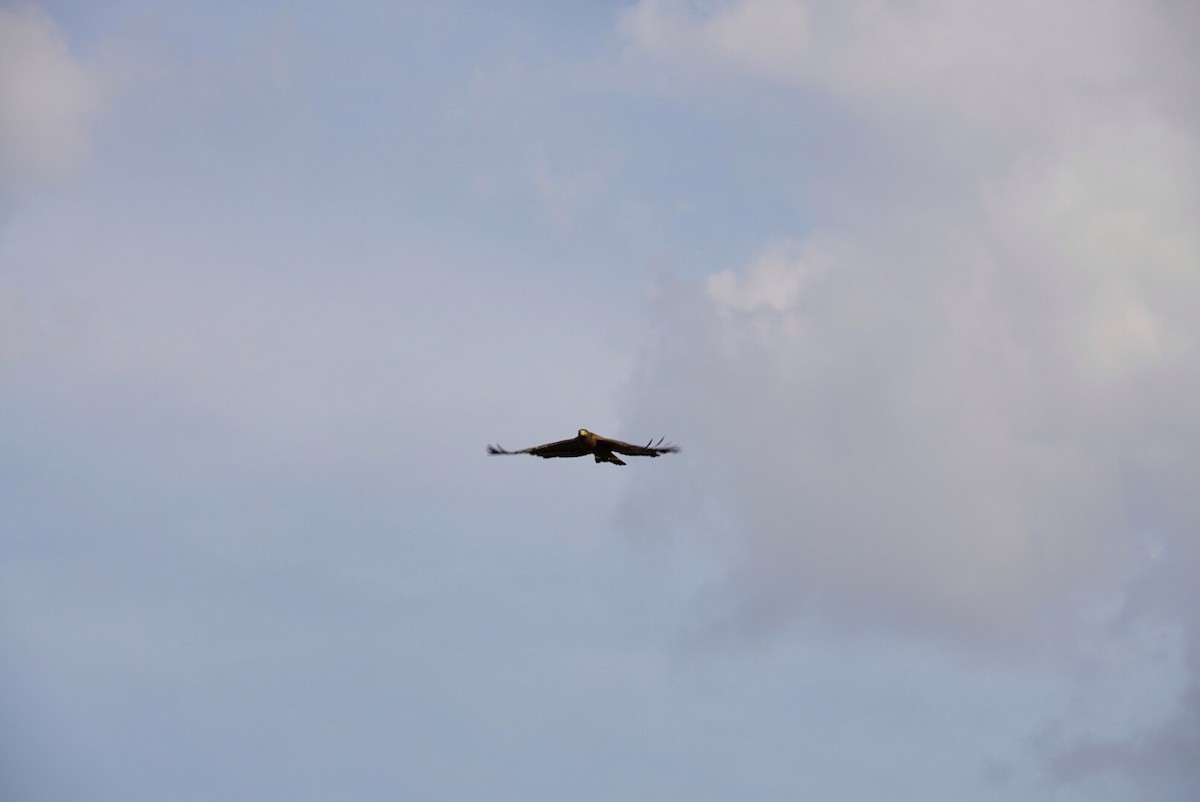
{"x": 602, "y": 448}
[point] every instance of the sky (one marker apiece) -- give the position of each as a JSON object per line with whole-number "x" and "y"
{"x": 915, "y": 285}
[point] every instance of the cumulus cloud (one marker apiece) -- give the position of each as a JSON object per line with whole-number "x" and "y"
{"x": 971, "y": 64}
{"x": 971, "y": 412}
{"x": 774, "y": 280}
{"x": 46, "y": 100}
{"x": 46, "y": 97}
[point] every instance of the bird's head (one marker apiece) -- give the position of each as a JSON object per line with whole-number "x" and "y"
{"x": 584, "y": 432}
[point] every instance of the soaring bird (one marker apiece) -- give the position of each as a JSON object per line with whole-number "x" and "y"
{"x": 601, "y": 448}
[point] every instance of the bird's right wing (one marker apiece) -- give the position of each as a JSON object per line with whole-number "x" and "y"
{"x": 651, "y": 449}
{"x": 575, "y": 447}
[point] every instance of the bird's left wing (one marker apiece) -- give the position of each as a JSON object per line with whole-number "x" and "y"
{"x": 651, "y": 449}
{"x": 575, "y": 447}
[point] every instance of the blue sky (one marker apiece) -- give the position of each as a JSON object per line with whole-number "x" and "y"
{"x": 914, "y": 285}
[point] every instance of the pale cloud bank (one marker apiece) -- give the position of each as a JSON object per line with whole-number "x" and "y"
{"x": 992, "y": 70}
{"x": 46, "y": 97}
{"x": 775, "y": 279}
{"x": 969, "y": 413}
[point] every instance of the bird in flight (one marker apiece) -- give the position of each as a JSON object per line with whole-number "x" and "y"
{"x": 602, "y": 448}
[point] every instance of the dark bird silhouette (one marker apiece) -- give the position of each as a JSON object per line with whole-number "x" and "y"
{"x": 602, "y": 448}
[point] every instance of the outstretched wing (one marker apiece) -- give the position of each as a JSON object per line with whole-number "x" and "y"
{"x": 651, "y": 449}
{"x": 575, "y": 447}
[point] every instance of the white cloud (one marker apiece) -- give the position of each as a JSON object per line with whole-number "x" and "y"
{"x": 977, "y": 416}
{"x": 775, "y": 280}
{"x": 962, "y": 75}
{"x": 46, "y": 97}
{"x": 984, "y": 326}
